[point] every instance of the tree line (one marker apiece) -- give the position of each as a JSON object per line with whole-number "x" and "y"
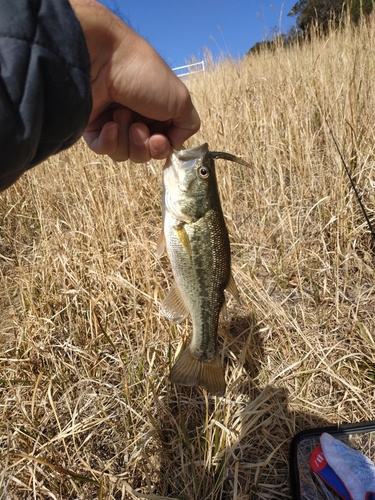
{"x": 321, "y": 14}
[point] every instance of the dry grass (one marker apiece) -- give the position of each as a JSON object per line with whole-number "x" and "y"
{"x": 86, "y": 407}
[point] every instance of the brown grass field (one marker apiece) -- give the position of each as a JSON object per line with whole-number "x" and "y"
{"x": 86, "y": 407}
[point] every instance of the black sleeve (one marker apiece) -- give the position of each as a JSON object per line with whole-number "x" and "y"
{"x": 45, "y": 91}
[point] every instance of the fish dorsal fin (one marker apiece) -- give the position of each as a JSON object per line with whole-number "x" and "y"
{"x": 189, "y": 370}
{"x": 232, "y": 288}
{"x": 160, "y": 246}
{"x": 173, "y": 306}
{"x": 184, "y": 238}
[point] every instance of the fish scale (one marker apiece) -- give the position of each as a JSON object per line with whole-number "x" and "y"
{"x": 202, "y": 276}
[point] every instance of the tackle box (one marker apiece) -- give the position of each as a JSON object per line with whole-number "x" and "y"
{"x": 305, "y": 484}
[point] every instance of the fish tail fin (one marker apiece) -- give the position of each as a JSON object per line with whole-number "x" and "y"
{"x": 191, "y": 371}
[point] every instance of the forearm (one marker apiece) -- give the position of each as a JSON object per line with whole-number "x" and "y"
{"x": 100, "y": 27}
{"x": 45, "y": 95}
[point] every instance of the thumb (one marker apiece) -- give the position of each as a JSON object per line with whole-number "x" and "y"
{"x": 183, "y": 127}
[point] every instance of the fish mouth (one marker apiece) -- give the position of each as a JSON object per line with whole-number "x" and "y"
{"x": 184, "y": 160}
{"x": 192, "y": 153}
{"x": 183, "y": 155}
{"x": 199, "y": 152}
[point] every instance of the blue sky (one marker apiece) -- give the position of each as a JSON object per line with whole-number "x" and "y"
{"x": 180, "y": 29}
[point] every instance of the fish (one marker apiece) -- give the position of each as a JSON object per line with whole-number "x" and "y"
{"x": 196, "y": 241}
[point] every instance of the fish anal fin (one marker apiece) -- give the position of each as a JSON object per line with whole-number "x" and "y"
{"x": 232, "y": 288}
{"x": 173, "y": 306}
{"x": 184, "y": 238}
{"x": 191, "y": 371}
{"x": 160, "y": 246}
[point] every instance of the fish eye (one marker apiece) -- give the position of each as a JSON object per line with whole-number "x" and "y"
{"x": 203, "y": 172}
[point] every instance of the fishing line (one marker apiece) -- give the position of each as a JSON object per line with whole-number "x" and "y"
{"x": 372, "y": 231}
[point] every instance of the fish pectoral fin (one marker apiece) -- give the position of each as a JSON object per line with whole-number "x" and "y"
{"x": 160, "y": 246}
{"x": 232, "y": 288}
{"x": 224, "y": 310}
{"x": 173, "y": 306}
{"x": 191, "y": 371}
{"x": 184, "y": 238}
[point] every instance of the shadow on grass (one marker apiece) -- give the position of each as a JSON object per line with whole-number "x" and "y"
{"x": 234, "y": 447}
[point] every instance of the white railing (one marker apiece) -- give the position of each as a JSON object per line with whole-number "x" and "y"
{"x": 189, "y": 69}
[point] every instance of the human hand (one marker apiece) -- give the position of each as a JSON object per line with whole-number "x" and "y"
{"x": 140, "y": 107}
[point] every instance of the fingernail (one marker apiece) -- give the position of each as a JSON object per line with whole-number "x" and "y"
{"x": 112, "y": 133}
{"x": 163, "y": 151}
{"x": 138, "y": 137}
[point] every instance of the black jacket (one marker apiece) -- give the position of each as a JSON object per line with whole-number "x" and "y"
{"x": 45, "y": 92}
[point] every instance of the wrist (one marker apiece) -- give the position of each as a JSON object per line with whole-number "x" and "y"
{"x": 111, "y": 44}
{"x": 99, "y": 26}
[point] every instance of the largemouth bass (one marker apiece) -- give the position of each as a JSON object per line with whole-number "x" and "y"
{"x": 197, "y": 243}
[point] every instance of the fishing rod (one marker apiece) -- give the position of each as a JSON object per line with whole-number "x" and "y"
{"x": 357, "y": 195}
{"x": 236, "y": 159}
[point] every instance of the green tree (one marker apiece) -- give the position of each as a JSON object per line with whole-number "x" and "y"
{"x": 323, "y": 12}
